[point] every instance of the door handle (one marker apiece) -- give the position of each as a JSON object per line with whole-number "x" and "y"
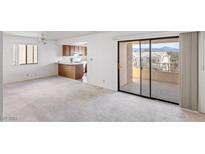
{"x": 119, "y": 66}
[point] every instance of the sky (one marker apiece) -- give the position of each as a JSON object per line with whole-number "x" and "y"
{"x": 160, "y": 45}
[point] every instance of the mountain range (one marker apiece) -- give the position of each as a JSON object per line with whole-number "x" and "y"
{"x": 162, "y": 49}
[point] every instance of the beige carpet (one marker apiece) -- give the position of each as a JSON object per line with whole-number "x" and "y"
{"x": 61, "y": 99}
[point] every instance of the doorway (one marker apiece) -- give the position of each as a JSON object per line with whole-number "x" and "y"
{"x": 74, "y": 55}
{"x": 150, "y": 68}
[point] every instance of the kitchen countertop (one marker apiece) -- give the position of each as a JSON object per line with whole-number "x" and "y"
{"x": 68, "y": 63}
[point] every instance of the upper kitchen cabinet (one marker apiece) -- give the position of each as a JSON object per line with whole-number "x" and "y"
{"x": 68, "y": 50}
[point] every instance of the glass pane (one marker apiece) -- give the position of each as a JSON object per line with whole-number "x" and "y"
{"x": 35, "y": 54}
{"x": 145, "y": 71}
{"x": 165, "y": 69}
{"x": 22, "y": 54}
{"x": 29, "y": 54}
{"x": 129, "y": 67}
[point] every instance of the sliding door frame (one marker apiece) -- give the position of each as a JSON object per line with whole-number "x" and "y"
{"x": 150, "y": 67}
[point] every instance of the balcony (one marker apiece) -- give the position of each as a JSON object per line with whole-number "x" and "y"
{"x": 164, "y": 81}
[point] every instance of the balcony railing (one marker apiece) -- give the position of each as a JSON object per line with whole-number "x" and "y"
{"x": 166, "y": 67}
{"x": 162, "y": 67}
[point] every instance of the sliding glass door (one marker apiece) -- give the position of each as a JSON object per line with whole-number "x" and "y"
{"x": 145, "y": 68}
{"x": 150, "y": 68}
{"x": 129, "y": 64}
{"x": 165, "y": 69}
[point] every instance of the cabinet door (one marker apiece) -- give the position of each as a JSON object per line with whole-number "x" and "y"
{"x": 84, "y": 51}
{"x": 66, "y": 50}
{"x": 72, "y": 50}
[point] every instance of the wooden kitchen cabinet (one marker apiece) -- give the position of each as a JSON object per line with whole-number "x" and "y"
{"x": 71, "y": 71}
{"x": 68, "y": 50}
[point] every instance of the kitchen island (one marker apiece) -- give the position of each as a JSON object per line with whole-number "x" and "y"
{"x": 71, "y": 70}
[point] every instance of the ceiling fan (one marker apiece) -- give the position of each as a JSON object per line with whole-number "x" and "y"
{"x": 43, "y": 40}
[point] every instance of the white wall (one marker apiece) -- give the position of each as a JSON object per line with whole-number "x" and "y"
{"x": 46, "y": 66}
{"x": 102, "y": 59}
{"x": 1, "y": 76}
{"x": 102, "y": 54}
{"x": 201, "y": 71}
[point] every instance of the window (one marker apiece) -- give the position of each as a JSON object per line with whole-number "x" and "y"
{"x": 27, "y": 54}
{"x": 22, "y": 54}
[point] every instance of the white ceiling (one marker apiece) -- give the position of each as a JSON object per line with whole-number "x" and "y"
{"x": 52, "y": 35}
{"x": 60, "y": 35}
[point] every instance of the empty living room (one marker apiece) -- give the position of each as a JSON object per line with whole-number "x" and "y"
{"x": 102, "y": 77}
{"x": 90, "y": 76}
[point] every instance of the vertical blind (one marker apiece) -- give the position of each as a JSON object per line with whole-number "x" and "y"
{"x": 201, "y": 70}
{"x": 1, "y": 76}
{"x": 189, "y": 70}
